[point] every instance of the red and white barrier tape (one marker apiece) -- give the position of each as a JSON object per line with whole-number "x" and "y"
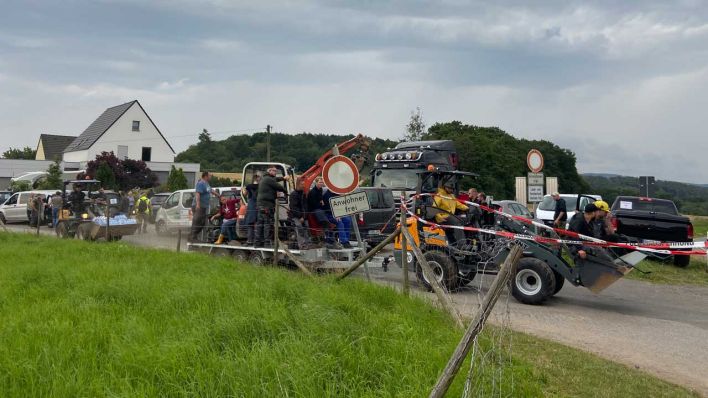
{"x": 661, "y": 248}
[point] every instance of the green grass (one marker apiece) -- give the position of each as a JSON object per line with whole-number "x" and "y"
{"x": 90, "y": 320}
{"x": 667, "y": 273}
{"x": 700, "y": 226}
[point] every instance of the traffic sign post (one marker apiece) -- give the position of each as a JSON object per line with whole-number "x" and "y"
{"x": 534, "y": 160}
{"x": 535, "y": 179}
{"x": 340, "y": 175}
{"x": 535, "y": 193}
{"x": 346, "y": 205}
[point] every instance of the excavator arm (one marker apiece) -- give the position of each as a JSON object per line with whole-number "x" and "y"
{"x": 360, "y": 142}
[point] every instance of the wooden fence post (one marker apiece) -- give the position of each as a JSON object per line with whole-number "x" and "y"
{"x": 463, "y": 347}
{"x": 276, "y": 230}
{"x": 179, "y": 239}
{"x": 439, "y": 290}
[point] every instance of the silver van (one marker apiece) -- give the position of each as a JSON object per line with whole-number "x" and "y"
{"x": 14, "y": 209}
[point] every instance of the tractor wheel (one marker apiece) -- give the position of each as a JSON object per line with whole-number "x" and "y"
{"x": 82, "y": 233}
{"x": 61, "y": 230}
{"x": 560, "y": 281}
{"x": 682, "y": 261}
{"x": 534, "y": 281}
{"x": 161, "y": 228}
{"x": 464, "y": 279}
{"x": 240, "y": 256}
{"x": 257, "y": 258}
{"x": 443, "y": 267}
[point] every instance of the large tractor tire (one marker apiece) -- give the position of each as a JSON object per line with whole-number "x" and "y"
{"x": 61, "y": 230}
{"x": 533, "y": 282}
{"x": 444, "y": 268}
{"x": 560, "y": 281}
{"x": 83, "y": 233}
{"x": 682, "y": 261}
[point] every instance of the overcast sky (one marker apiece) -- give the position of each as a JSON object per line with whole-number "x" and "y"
{"x": 622, "y": 84}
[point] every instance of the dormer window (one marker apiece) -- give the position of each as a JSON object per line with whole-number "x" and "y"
{"x": 136, "y": 125}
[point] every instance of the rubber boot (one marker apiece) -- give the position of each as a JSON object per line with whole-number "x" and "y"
{"x": 220, "y": 240}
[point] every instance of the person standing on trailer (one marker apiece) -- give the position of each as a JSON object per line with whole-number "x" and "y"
{"x": 251, "y": 209}
{"x": 296, "y": 214}
{"x": 344, "y": 224}
{"x": 57, "y": 204}
{"x": 267, "y": 194}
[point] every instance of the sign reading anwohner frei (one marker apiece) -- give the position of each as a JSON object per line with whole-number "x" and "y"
{"x": 349, "y": 204}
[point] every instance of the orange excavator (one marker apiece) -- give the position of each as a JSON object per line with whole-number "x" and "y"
{"x": 360, "y": 142}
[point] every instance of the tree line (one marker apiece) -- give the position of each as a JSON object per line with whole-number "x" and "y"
{"x": 689, "y": 198}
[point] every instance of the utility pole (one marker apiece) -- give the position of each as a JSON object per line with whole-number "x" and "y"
{"x": 268, "y": 143}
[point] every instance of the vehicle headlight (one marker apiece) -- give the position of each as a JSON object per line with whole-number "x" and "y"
{"x": 84, "y": 216}
{"x": 399, "y": 156}
{"x": 384, "y": 156}
{"x": 409, "y": 156}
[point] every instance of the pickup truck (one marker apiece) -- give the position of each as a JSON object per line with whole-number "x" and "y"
{"x": 651, "y": 220}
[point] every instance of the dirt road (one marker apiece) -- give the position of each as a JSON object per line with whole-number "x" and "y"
{"x": 658, "y": 328}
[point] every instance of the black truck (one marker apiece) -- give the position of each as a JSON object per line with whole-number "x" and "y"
{"x": 651, "y": 220}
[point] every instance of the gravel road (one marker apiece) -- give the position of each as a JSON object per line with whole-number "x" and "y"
{"x": 660, "y": 329}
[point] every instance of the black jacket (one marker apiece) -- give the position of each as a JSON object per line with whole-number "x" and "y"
{"x": 268, "y": 191}
{"x": 298, "y": 206}
{"x": 314, "y": 198}
{"x": 580, "y": 226}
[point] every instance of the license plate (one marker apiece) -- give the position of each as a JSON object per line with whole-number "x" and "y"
{"x": 651, "y": 241}
{"x": 374, "y": 232}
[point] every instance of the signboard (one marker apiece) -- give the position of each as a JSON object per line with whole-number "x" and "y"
{"x": 340, "y": 175}
{"x": 534, "y": 160}
{"x": 535, "y": 193}
{"x": 536, "y": 179}
{"x": 349, "y": 204}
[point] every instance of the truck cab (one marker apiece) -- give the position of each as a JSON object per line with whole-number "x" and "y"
{"x": 399, "y": 168}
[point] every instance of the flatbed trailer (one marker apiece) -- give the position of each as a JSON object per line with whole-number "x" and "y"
{"x": 320, "y": 258}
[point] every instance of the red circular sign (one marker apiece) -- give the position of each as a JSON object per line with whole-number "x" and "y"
{"x": 534, "y": 160}
{"x": 340, "y": 175}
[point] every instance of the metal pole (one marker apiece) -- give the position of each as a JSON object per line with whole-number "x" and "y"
{"x": 370, "y": 254}
{"x": 359, "y": 242}
{"x": 108, "y": 223}
{"x": 179, "y": 239}
{"x": 268, "y": 143}
{"x": 404, "y": 253}
{"x": 276, "y": 229}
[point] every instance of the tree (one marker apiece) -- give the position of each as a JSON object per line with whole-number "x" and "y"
{"x": 53, "y": 180}
{"x": 126, "y": 174}
{"x": 106, "y": 176}
{"x": 16, "y": 153}
{"x": 415, "y": 129}
{"x": 204, "y": 136}
{"x": 19, "y": 186}
{"x": 176, "y": 180}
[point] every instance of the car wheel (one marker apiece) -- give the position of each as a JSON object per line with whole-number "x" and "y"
{"x": 443, "y": 268}
{"x": 682, "y": 261}
{"x": 161, "y": 228}
{"x": 533, "y": 282}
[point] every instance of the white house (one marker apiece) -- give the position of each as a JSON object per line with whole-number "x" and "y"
{"x": 125, "y": 130}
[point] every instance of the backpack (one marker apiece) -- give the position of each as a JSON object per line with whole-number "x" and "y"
{"x": 142, "y": 205}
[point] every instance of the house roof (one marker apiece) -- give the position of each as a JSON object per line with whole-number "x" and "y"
{"x": 103, "y": 123}
{"x": 54, "y": 145}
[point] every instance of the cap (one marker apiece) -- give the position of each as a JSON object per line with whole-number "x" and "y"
{"x": 602, "y": 205}
{"x": 590, "y": 207}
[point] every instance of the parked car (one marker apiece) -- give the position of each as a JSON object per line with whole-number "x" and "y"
{"x": 5, "y": 195}
{"x": 380, "y": 221}
{"x": 651, "y": 220}
{"x": 547, "y": 207}
{"x": 15, "y": 209}
{"x": 514, "y": 208}
{"x": 156, "y": 202}
{"x": 176, "y": 211}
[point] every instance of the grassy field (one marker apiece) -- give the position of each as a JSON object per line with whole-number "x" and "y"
{"x": 90, "y": 320}
{"x": 700, "y": 226}
{"x": 665, "y": 272}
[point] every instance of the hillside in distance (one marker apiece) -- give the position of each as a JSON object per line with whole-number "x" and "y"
{"x": 689, "y": 198}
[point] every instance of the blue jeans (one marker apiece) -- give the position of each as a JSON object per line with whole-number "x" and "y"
{"x": 227, "y": 228}
{"x": 55, "y": 216}
{"x": 344, "y": 225}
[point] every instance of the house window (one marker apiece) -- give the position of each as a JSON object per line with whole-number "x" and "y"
{"x": 122, "y": 152}
{"x": 136, "y": 125}
{"x": 147, "y": 153}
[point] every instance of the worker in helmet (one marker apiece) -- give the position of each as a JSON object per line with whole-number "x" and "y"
{"x": 602, "y": 228}
{"x": 446, "y": 201}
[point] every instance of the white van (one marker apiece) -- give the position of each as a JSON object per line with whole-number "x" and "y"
{"x": 176, "y": 211}
{"x": 547, "y": 207}
{"x": 15, "y": 207}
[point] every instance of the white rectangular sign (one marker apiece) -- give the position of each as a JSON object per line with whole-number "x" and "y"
{"x": 535, "y": 193}
{"x": 536, "y": 179}
{"x": 349, "y": 204}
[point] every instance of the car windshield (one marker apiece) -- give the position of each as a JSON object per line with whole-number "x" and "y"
{"x": 548, "y": 204}
{"x": 4, "y": 196}
{"x": 396, "y": 178}
{"x": 655, "y": 206}
{"x": 158, "y": 199}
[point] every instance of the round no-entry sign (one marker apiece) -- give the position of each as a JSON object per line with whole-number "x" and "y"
{"x": 340, "y": 175}
{"x": 534, "y": 160}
